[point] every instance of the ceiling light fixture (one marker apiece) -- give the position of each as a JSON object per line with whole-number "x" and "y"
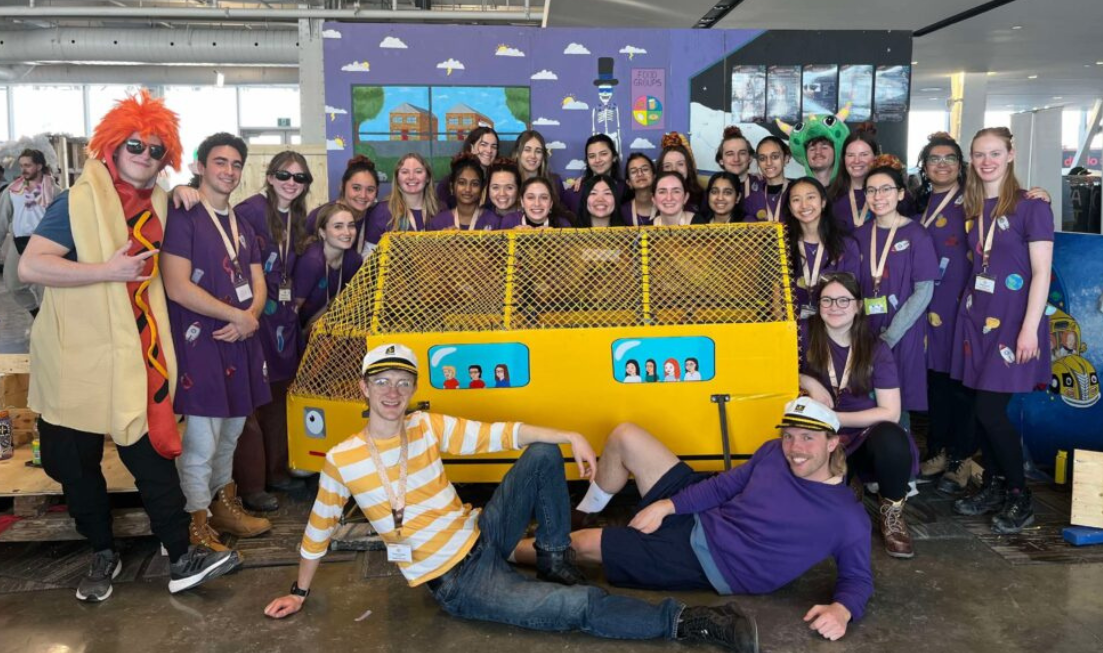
{"x": 1016, "y": 27}
{"x": 719, "y": 10}
{"x": 1032, "y": 77}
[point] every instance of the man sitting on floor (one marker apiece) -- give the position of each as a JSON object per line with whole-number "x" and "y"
{"x": 750, "y": 530}
{"x": 394, "y": 470}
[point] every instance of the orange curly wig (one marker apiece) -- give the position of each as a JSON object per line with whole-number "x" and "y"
{"x": 140, "y": 113}
{"x": 887, "y": 161}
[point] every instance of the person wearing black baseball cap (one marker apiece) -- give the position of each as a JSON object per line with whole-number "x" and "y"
{"x": 750, "y": 530}
{"x": 393, "y": 469}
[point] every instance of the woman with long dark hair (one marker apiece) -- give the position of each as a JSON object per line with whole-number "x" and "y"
{"x": 816, "y": 244}
{"x": 602, "y": 158}
{"x": 671, "y": 195}
{"x": 1000, "y": 334}
{"x": 845, "y": 365}
{"x": 533, "y": 158}
{"x": 278, "y": 216}
{"x": 599, "y": 205}
{"x": 503, "y": 187}
{"x": 539, "y": 208}
{"x": 722, "y": 200}
{"x": 468, "y": 182}
{"x": 638, "y": 208}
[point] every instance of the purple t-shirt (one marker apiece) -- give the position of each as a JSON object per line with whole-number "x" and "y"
{"x": 988, "y": 324}
{"x": 758, "y": 205}
{"x": 766, "y": 527}
{"x": 947, "y": 231}
{"x": 628, "y": 215}
{"x": 515, "y": 220}
{"x": 318, "y": 284}
{"x": 911, "y": 258}
{"x": 487, "y": 220}
{"x": 849, "y": 261}
{"x": 214, "y": 378}
{"x": 279, "y": 324}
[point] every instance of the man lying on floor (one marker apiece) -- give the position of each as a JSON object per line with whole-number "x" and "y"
{"x": 750, "y": 530}
{"x": 393, "y": 468}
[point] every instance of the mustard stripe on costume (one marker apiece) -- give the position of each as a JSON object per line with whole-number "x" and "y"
{"x": 438, "y": 526}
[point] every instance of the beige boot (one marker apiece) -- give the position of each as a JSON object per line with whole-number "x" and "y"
{"x": 227, "y": 515}
{"x": 202, "y": 534}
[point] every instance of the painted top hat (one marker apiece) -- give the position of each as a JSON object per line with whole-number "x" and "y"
{"x": 605, "y": 72}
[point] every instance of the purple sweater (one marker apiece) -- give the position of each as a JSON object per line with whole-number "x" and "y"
{"x": 765, "y": 527}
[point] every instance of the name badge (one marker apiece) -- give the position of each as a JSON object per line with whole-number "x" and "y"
{"x": 876, "y": 305}
{"x": 807, "y": 311}
{"x": 244, "y": 292}
{"x": 400, "y": 553}
{"x": 285, "y": 292}
{"x": 985, "y": 283}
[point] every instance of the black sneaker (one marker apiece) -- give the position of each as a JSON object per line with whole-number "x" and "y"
{"x": 96, "y": 584}
{"x": 989, "y": 498}
{"x": 1017, "y": 513}
{"x": 199, "y": 565}
{"x": 558, "y": 567}
{"x": 725, "y": 626}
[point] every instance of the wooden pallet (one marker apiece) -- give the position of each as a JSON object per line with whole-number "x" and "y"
{"x": 33, "y": 493}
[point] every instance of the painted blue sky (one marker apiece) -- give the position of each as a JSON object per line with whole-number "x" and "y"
{"x": 488, "y": 100}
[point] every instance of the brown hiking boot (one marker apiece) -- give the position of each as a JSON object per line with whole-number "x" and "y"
{"x": 956, "y": 478}
{"x": 894, "y": 530}
{"x": 227, "y": 515}
{"x": 934, "y": 465}
{"x": 201, "y": 533}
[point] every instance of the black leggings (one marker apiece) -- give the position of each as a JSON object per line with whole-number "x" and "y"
{"x": 887, "y": 455}
{"x": 999, "y": 440}
{"x": 951, "y": 417}
{"x": 73, "y": 458}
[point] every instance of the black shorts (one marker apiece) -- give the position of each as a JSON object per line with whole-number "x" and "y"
{"x": 663, "y": 560}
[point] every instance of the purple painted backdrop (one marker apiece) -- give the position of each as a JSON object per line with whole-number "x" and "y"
{"x": 559, "y": 65}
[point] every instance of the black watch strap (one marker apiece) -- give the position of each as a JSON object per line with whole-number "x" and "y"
{"x": 298, "y": 591}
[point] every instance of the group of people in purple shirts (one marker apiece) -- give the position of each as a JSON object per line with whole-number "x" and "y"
{"x": 930, "y": 303}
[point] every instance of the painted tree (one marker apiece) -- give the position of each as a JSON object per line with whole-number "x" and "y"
{"x": 367, "y": 102}
{"x": 517, "y": 101}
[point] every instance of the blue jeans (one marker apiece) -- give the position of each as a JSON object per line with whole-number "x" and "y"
{"x": 486, "y": 587}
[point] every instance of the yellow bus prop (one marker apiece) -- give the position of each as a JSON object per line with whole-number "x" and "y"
{"x": 554, "y": 320}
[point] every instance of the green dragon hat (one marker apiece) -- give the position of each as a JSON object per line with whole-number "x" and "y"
{"x": 831, "y": 127}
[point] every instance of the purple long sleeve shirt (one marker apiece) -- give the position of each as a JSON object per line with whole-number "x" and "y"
{"x": 765, "y": 527}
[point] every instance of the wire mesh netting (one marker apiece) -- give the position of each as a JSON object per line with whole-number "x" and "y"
{"x": 548, "y": 279}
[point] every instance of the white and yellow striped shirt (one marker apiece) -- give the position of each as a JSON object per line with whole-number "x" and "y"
{"x": 437, "y": 526}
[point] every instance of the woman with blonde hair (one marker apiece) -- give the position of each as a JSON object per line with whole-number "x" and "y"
{"x": 1001, "y": 328}
{"x": 412, "y": 203}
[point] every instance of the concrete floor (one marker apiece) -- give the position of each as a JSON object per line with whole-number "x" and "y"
{"x": 956, "y": 595}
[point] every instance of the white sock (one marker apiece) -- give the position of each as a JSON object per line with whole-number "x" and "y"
{"x": 595, "y": 500}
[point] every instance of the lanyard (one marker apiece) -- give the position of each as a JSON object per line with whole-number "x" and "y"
{"x": 773, "y": 216}
{"x": 636, "y": 215}
{"x": 231, "y": 245}
{"x": 284, "y": 250}
{"x": 396, "y": 501}
{"x": 362, "y": 232}
{"x": 747, "y": 186}
{"x": 988, "y": 240}
{"x": 877, "y": 266}
{"x": 858, "y": 218}
{"x": 474, "y": 219}
{"x": 835, "y": 384}
{"x": 929, "y": 217}
{"x": 813, "y": 276}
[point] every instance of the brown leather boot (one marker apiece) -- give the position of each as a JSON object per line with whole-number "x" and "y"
{"x": 201, "y": 533}
{"x": 227, "y": 515}
{"x": 894, "y": 530}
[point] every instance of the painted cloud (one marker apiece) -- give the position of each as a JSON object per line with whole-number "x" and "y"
{"x": 632, "y": 51}
{"x": 544, "y": 74}
{"x": 507, "y": 51}
{"x": 331, "y": 34}
{"x": 571, "y": 104}
{"x": 335, "y": 143}
{"x": 576, "y": 48}
{"x": 357, "y": 67}
{"x": 545, "y": 121}
{"x": 392, "y": 42}
{"x": 450, "y": 65}
{"x": 330, "y": 109}
{"x": 642, "y": 144}
{"x": 576, "y": 164}
{"x": 557, "y": 145}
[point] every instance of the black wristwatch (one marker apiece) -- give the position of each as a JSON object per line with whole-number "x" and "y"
{"x": 298, "y": 591}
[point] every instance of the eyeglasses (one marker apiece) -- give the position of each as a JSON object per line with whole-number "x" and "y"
{"x": 841, "y": 302}
{"x": 299, "y": 177}
{"x": 949, "y": 159}
{"x": 639, "y": 172}
{"x": 773, "y": 156}
{"x": 882, "y": 190}
{"x": 405, "y": 386}
{"x": 137, "y": 146}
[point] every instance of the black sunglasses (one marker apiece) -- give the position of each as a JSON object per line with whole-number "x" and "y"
{"x": 137, "y": 146}
{"x": 299, "y": 177}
